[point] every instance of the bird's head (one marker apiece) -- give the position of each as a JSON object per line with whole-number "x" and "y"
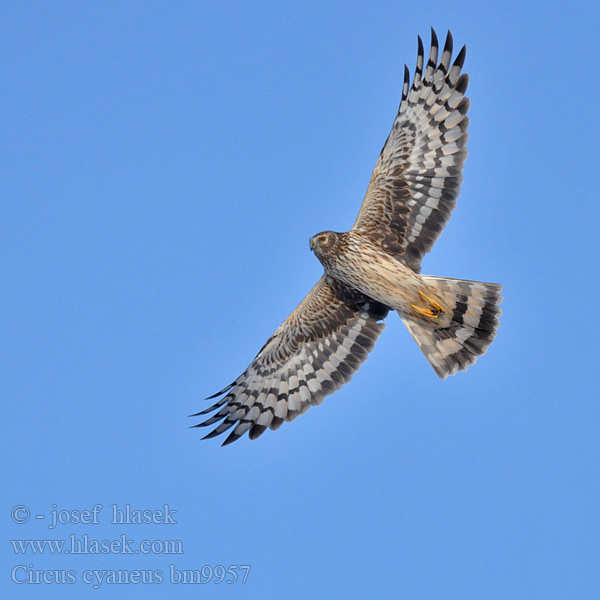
{"x": 323, "y": 244}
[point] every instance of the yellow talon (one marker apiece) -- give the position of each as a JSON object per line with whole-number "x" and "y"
{"x": 433, "y": 312}
{"x": 433, "y": 303}
{"x": 425, "y": 311}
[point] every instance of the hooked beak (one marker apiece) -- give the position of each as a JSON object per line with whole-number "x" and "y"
{"x": 312, "y": 244}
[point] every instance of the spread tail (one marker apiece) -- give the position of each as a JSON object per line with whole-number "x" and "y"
{"x": 475, "y": 320}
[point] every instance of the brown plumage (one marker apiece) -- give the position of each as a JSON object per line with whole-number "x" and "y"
{"x": 375, "y": 267}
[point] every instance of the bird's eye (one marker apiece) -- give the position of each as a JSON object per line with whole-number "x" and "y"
{"x": 322, "y": 238}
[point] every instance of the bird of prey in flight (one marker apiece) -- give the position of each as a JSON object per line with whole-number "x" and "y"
{"x": 375, "y": 268}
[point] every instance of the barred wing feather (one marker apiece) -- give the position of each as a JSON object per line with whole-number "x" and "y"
{"x": 417, "y": 177}
{"x": 312, "y": 354}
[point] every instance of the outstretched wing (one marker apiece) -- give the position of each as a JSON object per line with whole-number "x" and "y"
{"x": 417, "y": 177}
{"x": 313, "y": 353}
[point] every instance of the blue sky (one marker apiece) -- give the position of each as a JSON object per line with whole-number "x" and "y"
{"x": 163, "y": 166}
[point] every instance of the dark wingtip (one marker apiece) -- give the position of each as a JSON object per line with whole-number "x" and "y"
{"x": 405, "y": 86}
{"x": 218, "y": 393}
{"x": 211, "y": 408}
{"x": 449, "y": 42}
{"x": 463, "y": 83}
{"x": 232, "y": 437}
{"x": 212, "y": 434}
{"x": 256, "y": 431}
{"x": 225, "y": 389}
{"x": 420, "y": 61}
{"x": 459, "y": 61}
{"x": 434, "y": 39}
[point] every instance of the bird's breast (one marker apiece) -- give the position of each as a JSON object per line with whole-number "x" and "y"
{"x": 376, "y": 274}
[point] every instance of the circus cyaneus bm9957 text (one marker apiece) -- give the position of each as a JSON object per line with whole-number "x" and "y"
{"x": 375, "y": 268}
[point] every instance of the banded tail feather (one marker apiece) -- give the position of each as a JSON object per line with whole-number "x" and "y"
{"x": 475, "y": 321}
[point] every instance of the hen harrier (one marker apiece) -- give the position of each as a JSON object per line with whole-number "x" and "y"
{"x": 374, "y": 268}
